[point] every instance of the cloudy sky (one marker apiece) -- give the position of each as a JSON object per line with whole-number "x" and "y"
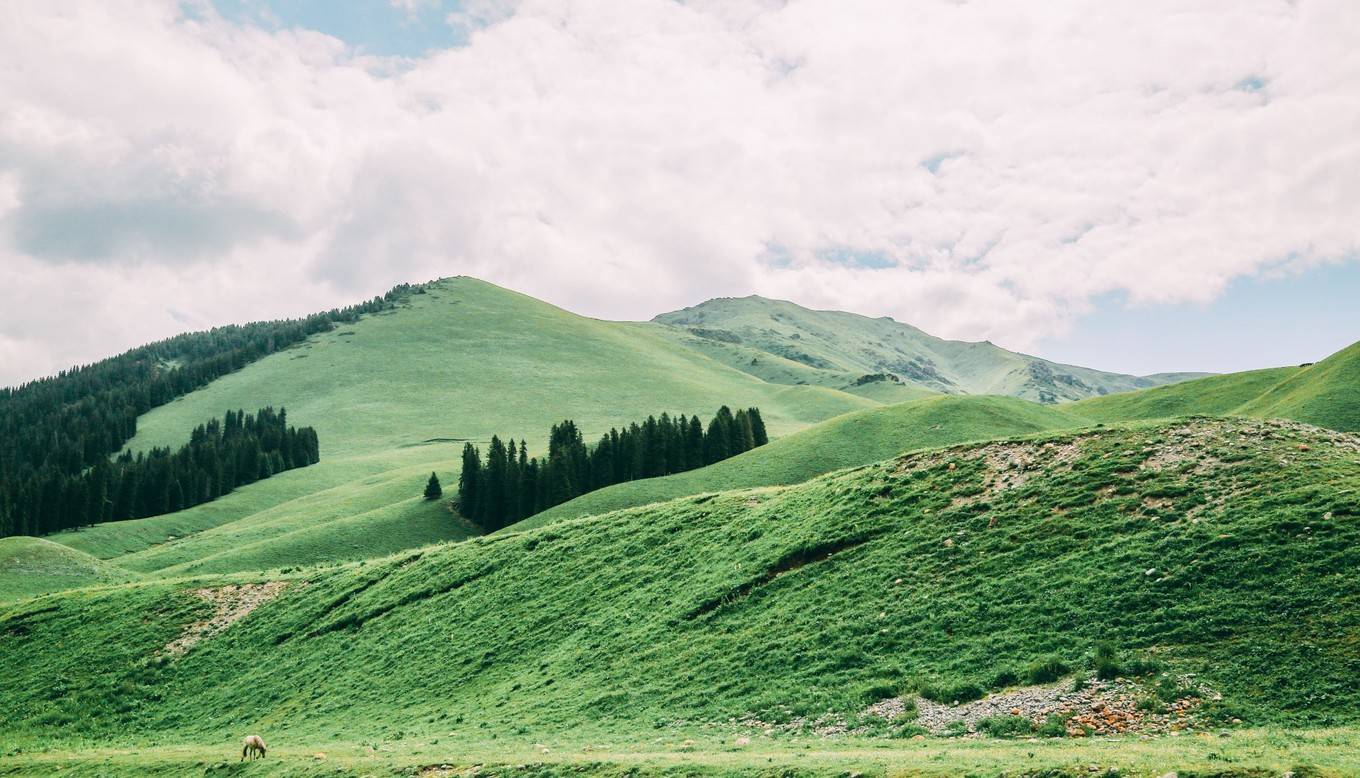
{"x": 1141, "y": 186}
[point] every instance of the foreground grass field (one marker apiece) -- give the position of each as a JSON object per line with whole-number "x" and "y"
{"x": 1249, "y": 753}
{"x": 1221, "y": 550}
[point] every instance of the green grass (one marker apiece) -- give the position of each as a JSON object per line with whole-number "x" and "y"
{"x": 1219, "y": 395}
{"x": 396, "y": 395}
{"x": 845, "y": 441}
{"x": 1224, "y": 547}
{"x": 1326, "y": 394}
{"x": 1241, "y": 753}
{"x": 34, "y": 566}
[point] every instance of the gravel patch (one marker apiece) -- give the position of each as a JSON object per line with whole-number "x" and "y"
{"x": 231, "y": 604}
{"x": 1100, "y": 708}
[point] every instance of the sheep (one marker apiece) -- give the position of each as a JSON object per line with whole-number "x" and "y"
{"x": 254, "y": 746}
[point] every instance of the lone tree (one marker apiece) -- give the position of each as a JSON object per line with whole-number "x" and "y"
{"x": 433, "y": 491}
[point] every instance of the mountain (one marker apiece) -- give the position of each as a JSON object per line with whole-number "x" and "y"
{"x": 849, "y": 440}
{"x": 1181, "y": 545}
{"x": 769, "y": 337}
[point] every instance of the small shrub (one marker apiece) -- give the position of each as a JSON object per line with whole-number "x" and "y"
{"x": 1047, "y": 670}
{"x": 876, "y": 691}
{"x": 1080, "y": 682}
{"x": 1005, "y": 726}
{"x": 946, "y": 692}
{"x": 1141, "y": 665}
{"x": 1106, "y": 662}
{"x": 1004, "y": 678}
{"x": 909, "y": 712}
{"x": 1149, "y": 702}
{"x": 1053, "y": 726}
{"x": 909, "y": 731}
{"x": 955, "y": 729}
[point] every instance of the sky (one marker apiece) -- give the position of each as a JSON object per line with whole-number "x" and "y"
{"x": 1139, "y": 186}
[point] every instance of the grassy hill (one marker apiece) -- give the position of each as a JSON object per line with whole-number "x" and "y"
{"x": 1326, "y": 394}
{"x": 1184, "y": 542}
{"x": 1218, "y": 395}
{"x": 832, "y": 346}
{"x": 396, "y": 395}
{"x": 852, "y": 439}
{"x": 33, "y": 566}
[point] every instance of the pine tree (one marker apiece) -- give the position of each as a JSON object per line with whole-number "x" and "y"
{"x": 743, "y": 437}
{"x": 469, "y": 483}
{"x": 757, "y": 427}
{"x": 694, "y": 442}
{"x": 495, "y": 497}
{"x": 433, "y": 491}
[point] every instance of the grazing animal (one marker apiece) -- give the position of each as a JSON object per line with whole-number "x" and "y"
{"x": 254, "y": 746}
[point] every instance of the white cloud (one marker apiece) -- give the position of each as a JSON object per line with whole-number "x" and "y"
{"x": 623, "y": 157}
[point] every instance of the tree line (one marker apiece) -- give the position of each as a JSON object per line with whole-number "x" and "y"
{"x": 509, "y": 485}
{"x": 54, "y": 429}
{"x": 221, "y": 455}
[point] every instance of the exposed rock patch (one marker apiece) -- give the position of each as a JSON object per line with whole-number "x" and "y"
{"x": 230, "y": 604}
{"x": 1100, "y": 708}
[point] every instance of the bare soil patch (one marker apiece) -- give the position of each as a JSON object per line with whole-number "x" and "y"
{"x": 230, "y": 604}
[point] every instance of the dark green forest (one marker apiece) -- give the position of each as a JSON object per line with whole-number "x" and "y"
{"x": 510, "y": 485}
{"x": 221, "y": 455}
{"x": 54, "y": 429}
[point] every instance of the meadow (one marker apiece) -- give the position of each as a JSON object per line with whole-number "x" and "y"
{"x": 1185, "y": 542}
{"x": 394, "y": 397}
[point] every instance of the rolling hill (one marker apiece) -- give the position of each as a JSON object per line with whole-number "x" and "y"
{"x": 1326, "y": 394}
{"x": 395, "y": 395}
{"x": 1219, "y": 395}
{"x": 1180, "y": 542}
{"x": 849, "y": 440}
{"x": 764, "y": 336}
{"x": 34, "y": 566}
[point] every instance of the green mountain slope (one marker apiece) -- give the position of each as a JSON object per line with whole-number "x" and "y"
{"x": 1214, "y": 396}
{"x": 33, "y": 566}
{"x": 396, "y": 395}
{"x": 845, "y": 441}
{"x": 845, "y": 345}
{"x": 1188, "y": 540}
{"x": 1326, "y": 393}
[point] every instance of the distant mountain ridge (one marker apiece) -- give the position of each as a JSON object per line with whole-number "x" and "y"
{"x": 823, "y": 347}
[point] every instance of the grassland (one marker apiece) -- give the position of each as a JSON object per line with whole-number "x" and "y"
{"x": 1248, "y": 753}
{"x": 1326, "y": 394}
{"x": 1224, "y": 548}
{"x": 33, "y": 566}
{"x": 1220, "y": 395}
{"x": 846, "y": 441}
{"x": 396, "y": 395}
